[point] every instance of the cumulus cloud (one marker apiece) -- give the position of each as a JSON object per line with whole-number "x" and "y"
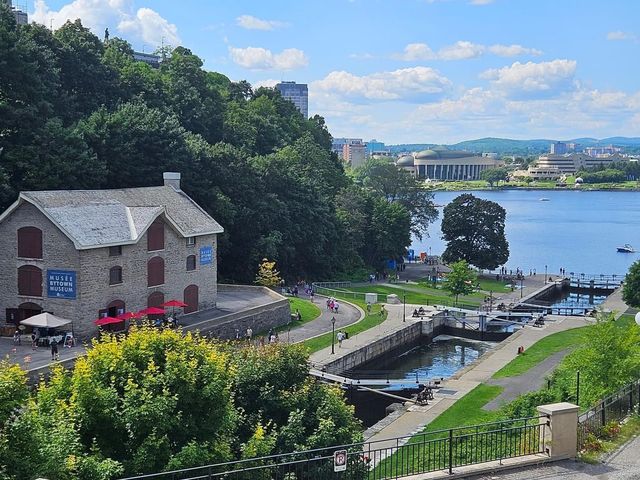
{"x": 257, "y": 58}
{"x": 533, "y": 78}
{"x": 408, "y": 84}
{"x": 253, "y": 23}
{"x": 619, "y": 35}
{"x": 416, "y": 51}
{"x": 513, "y": 50}
{"x": 268, "y": 82}
{"x": 461, "y": 50}
{"x": 143, "y": 24}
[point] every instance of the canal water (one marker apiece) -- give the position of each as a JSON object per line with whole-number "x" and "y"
{"x": 424, "y": 361}
{"x": 578, "y": 231}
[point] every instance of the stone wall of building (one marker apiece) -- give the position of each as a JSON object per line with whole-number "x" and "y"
{"x": 92, "y": 271}
{"x": 97, "y": 294}
{"x": 58, "y": 253}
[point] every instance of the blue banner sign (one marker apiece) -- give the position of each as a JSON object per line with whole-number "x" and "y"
{"x": 412, "y": 254}
{"x": 206, "y": 255}
{"x": 61, "y": 284}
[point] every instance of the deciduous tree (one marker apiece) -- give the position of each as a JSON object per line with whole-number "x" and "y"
{"x": 460, "y": 280}
{"x": 474, "y": 231}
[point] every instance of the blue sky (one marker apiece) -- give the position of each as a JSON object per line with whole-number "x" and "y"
{"x": 413, "y": 71}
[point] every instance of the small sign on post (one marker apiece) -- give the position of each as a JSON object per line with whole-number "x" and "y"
{"x": 340, "y": 461}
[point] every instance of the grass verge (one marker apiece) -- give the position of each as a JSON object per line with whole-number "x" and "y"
{"x": 541, "y": 350}
{"x": 369, "y": 321}
{"x": 308, "y": 311}
{"x": 429, "y": 297}
{"x": 628, "y": 430}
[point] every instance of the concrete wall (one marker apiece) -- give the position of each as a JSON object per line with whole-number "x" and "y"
{"x": 413, "y": 332}
{"x": 260, "y": 318}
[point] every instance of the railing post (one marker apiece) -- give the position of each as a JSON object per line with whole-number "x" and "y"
{"x": 603, "y": 415}
{"x": 638, "y": 398}
{"x": 450, "y": 451}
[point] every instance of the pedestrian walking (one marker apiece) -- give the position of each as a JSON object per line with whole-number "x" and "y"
{"x": 340, "y": 337}
{"x": 368, "y": 307}
{"x": 54, "y": 349}
{"x": 249, "y": 334}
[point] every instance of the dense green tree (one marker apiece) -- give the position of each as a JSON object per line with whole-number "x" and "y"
{"x": 494, "y": 175}
{"x": 474, "y": 231}
{"x": 398, "y": 185}
{"x": 631, "y": 287}
{"x": 460, "y": 280}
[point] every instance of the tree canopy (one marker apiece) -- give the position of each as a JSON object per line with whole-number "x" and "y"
{"x": 157, "y": 400}
{"x": 474, "y": 231}
{"x": 77, "y": 112}
{"x": 631, "y": 287}
{"x": 494, "y": 175}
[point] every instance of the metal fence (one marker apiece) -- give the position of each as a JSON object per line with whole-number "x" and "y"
{"x": 613, "y": 408}
{"x": 441, "y": 450}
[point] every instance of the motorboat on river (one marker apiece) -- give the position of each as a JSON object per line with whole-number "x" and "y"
{"x": 626, "y": 248}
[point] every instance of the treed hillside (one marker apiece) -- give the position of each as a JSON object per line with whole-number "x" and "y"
{"x": 79, "y": 113}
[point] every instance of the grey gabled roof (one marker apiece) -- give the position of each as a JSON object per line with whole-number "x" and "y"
{"x": 100, "y": 218}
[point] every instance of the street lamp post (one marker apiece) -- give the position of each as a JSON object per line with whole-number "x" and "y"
{"x": 521, "y": 279}
{"x": 404, "y": 307}
{"x": 545, "y": 274}
{"x": 333, "y": 335}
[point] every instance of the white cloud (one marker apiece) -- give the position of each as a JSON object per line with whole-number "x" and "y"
{"x": 143, "y": 24}
{"x": 256, "y": 58}
{"x": 480, "y": 2}
{"x": 513, "y": 50}
{"x": 151, "y": 27}
{"x": 416, "y": 51}
{"x": 461, "y": 50}
{"x": 533, "y": 78}
{"x": 408, "y": 84}
{"x": 619, "y": 35}
{"x": 253, "y": 23}
{"x": 268, "y": 82}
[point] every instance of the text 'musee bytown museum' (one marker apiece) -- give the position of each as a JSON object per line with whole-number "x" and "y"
{"x": 82, "y": 254}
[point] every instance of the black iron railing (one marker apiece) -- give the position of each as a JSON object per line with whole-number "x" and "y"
{"x": 613, "y": 408}
{"x": 385, "y": 459}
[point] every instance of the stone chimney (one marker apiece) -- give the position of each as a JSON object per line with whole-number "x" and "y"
{"x": 172, "y": 179}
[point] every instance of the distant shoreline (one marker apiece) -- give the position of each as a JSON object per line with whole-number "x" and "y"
{"x": 463, "y": 188}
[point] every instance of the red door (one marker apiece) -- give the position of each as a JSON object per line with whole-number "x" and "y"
{"x": 191, "y": 299}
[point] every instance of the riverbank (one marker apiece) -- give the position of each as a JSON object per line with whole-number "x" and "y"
{"x": 473, "y": 185}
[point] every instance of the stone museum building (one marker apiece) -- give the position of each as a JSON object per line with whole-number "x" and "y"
{"x": 83, "y": 254}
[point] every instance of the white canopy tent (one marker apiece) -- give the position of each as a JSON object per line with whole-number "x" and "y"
{"x": 45, "y": 320}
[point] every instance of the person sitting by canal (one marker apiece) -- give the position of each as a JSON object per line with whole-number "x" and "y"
{"x": 298, "y": 315}
{"x": 421, "y": 311}
{"x": 415, "y": 313}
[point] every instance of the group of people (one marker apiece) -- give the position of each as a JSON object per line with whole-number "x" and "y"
{"x": 333, "y": 305}
{"x": 419, "y": 312}
{"x": 272, "y": 337}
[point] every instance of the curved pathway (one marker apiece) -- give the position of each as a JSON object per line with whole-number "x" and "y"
{"x": 347, "y": 314}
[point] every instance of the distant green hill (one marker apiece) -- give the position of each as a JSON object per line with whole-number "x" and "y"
{"x": 507, "y": 146}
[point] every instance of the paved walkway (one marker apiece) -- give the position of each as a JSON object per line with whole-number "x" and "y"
{"x": 347, "y": 314}
{"x": 533, "y": 379}
{"x": 30, "y": 359}
{"x": 417, "y": 417}
{"x": 623, "y": 464}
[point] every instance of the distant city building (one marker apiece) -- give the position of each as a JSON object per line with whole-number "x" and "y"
{"x": 148, "y": 58}
{"x": 21, "y": 16}
{"x": 337, "y": 144}
{"x": 538, "y": 173}
{"x": 573, "y": 162}
{"x": 296, "y": 93}
{"x": 558, "y": 148}
{"x": 440, "y": 163}
{"x": 354, "y": 153}
{"x": 375, "y": 146}
{"x": 604, "y": 151}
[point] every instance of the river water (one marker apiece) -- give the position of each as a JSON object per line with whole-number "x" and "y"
{"x": 576, "y": 230}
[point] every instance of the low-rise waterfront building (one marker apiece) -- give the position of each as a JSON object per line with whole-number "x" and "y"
{"x": 574, "y": 162}
{"x": 440, "y": 163}
{"x": 83, "y": 254}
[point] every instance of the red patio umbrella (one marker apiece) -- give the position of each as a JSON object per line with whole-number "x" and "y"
{"x": 152, "y": 311}
{"x": 174, "y": 303}
{"x": 107, "y": 320}
{"x": 128, "y": 315}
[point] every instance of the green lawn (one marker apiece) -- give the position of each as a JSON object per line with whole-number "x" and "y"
{"x": 369, "y": 321}
{"x": 540, "y": 351}
{"x": 488, "y": 285}
{"x": 308, "y": 311}
{"x": 429, "y": 297}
